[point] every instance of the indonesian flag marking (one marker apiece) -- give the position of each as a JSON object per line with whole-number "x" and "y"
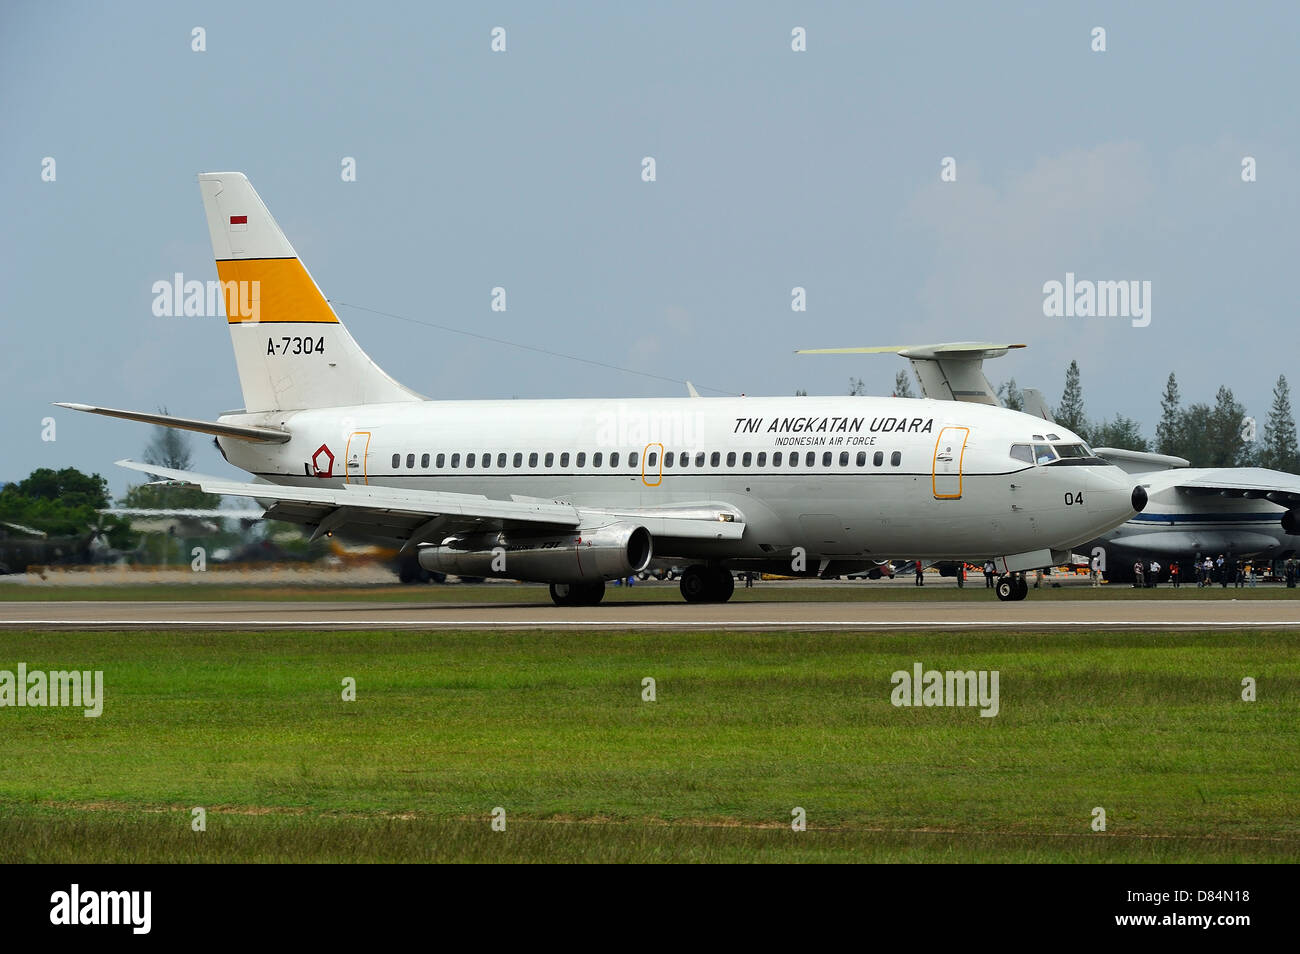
{"x": 239, "y": 223}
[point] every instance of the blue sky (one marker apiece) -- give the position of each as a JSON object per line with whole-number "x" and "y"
{"x": 522, "y": 169}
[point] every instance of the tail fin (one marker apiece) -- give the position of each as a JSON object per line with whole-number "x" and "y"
{"x": 291, "y": 350}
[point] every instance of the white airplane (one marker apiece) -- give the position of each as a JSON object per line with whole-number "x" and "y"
{"x": 1238, "y": 511}
{"x": 577, "y": 492}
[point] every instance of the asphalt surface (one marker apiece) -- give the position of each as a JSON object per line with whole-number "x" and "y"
{"x": 256, "y": 615}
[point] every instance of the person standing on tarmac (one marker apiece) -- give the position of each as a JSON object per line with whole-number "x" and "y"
{"x": 920, "y": 580}
{"x": 988, "y": 574}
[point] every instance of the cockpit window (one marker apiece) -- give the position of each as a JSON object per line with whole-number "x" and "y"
{"x": 1022, "y": 452}
{"x": 1043, "y": 454}
{"x": 1072, "y": 450}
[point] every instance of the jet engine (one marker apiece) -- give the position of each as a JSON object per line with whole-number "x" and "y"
{"x": 573, "y": 556}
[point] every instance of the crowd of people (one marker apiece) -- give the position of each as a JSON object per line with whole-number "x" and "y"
{"x": 1207, "y": 571}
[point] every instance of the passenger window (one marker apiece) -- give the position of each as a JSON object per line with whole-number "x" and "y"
{"x": 596, "y": 459}
{"x": 455, "y": 460}
{"x": 731, "y": 458}
{"x": 878, "y": 459}
{"x": 762, "y": 458}
{"x": 699, "y": 459}
{"x": 810, "y": 459}
{"x": 862, "y": 458}
{"x": 715, "y": 459}
{"x": 564, "y": 459}
{"x": 410, "y": 460}
{"x": 844, "y": 458}
{"x": 440, "y": 461}
{"x": 487, "y": 461}
{"x": 519, "y": 460}
{"x": 776, "y": 459}
{"x": 631, "y": 459}
{"x": 397, "y": 461}
{"x": 684, "y": 460}
{"x": 424, "y": 461}
{"x": 1022, "y": 452}
{"x": 747, "y": 460}
{"x": 668, "y": 459}
{"x": 895, "y": 458}
{"x": 794, "y": 458}
{"x": 613, "y": 459}
{"x": 582, "y": 458}
{"x": 532, "y": 459}
{"x": 826, "y": 459}
{"x": 469, "y": 460}
{"x": 501, "y": 460}
{"x": 653, "y": 459}
{"x": 550, "y": 459}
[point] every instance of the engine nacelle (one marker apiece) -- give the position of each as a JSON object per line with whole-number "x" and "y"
{"x": 1291, "y": 521}
{"x": 573, "y": 556}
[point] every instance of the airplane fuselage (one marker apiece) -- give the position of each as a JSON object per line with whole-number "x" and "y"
{"x": 848, "y": 478}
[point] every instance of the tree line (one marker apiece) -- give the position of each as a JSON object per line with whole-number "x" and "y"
{"x": 1207, "y": 435}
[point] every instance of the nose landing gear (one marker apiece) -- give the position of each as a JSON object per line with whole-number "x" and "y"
{"x": 1011, "y": 586}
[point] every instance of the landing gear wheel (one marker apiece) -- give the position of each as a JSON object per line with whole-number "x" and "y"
{"x": 707, "y": 584}
{"x": 1007, "y": 589}
{"x": 695, "y": 584}
{"x": 577, "y": 594}
{"x": 1022, "y": 588}
{"x": 724, "y": 584}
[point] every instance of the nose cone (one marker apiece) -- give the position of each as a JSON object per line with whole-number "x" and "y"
{"x": 1139, "y": 498}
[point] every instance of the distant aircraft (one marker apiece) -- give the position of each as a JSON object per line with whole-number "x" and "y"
{"x": 577, "y": 492}
{"x": 23, "y": 547}
{"x": 1237, "y": 511}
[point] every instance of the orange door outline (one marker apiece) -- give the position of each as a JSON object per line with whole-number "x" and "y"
{"x": 948, "y": 451}
{"x": 658, "y": 472}
{"x": 359, "y": 469}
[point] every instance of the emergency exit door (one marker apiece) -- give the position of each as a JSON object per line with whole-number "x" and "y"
{"x": 945, "y": 477}
{"x": 356, "y": 468}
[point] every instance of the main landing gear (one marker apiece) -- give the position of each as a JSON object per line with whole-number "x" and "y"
{"x": 577, "y": 594}
{"x": 707, "y": 584}
{"x": 1012, "y": 586}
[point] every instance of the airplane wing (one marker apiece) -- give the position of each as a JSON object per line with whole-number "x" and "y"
{"x": 1139, "y": 462}
{"x": 1255, "y": 483}
{"x": 411, "y": 517}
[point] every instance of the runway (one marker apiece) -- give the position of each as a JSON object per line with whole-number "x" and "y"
{"x": 875, "y": 616}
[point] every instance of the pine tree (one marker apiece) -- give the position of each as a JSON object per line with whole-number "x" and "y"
{"x": 902, "y": 385}
{"x": 1193, "y": 430}
{"x": 1123, "y": 433}
{"x": 1279, "y": 449}
{"x": 1169, "y": 437}
{"x": 1227, "y": 445}
{"x": 1069, "y": 413}
{"x": 857, "y": 387}
{"x": 1011, "y": 396}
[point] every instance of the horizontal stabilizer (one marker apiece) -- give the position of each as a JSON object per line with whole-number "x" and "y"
{"x": 953, "y": 371}
{"x": 243, "y": 432}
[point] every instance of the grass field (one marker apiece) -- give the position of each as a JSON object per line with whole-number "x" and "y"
{"x": 746, "y": 726}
